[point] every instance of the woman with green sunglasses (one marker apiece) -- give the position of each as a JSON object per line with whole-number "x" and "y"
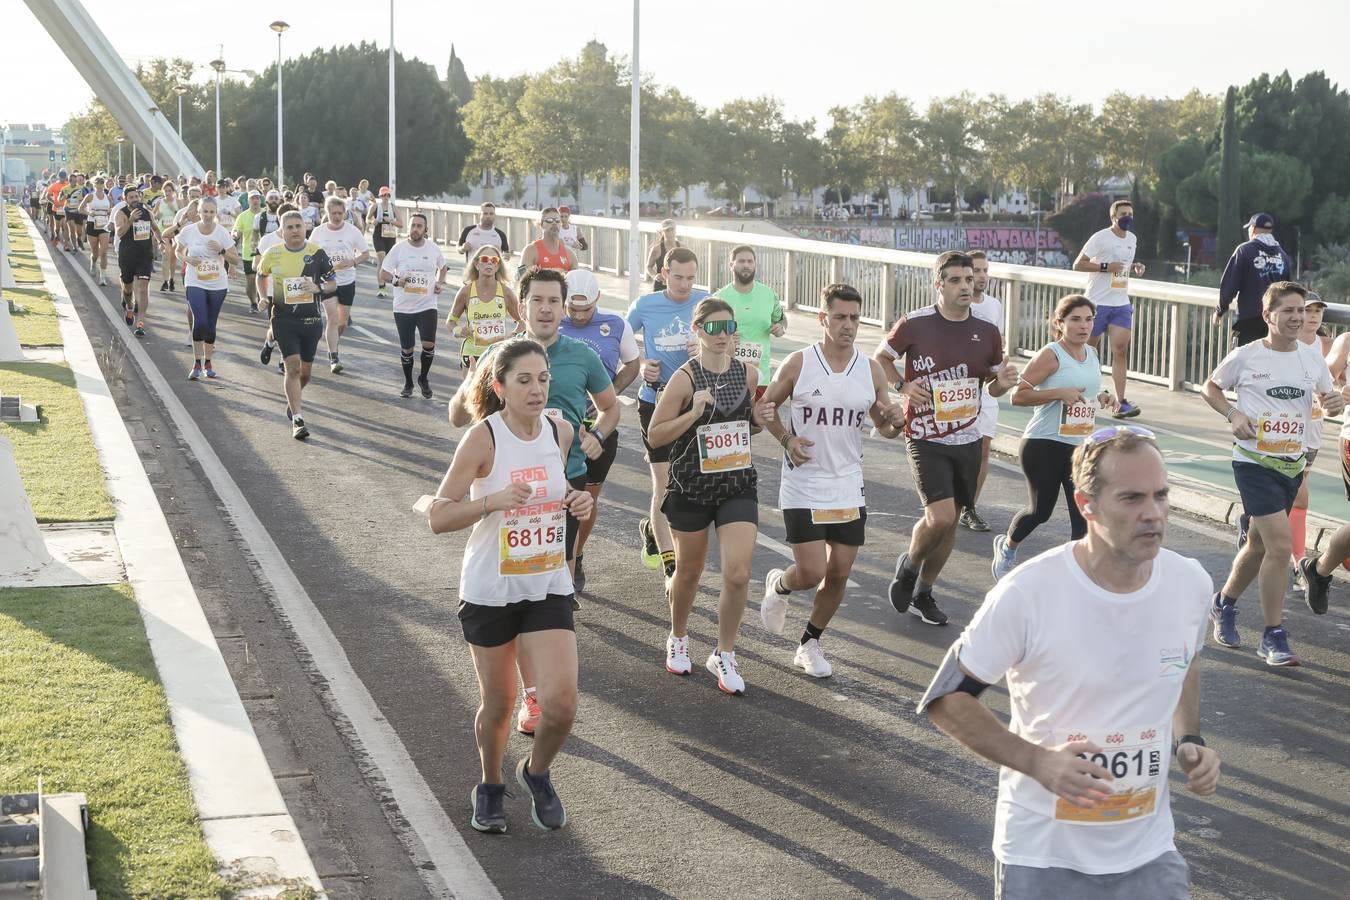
{"x": 708, "y": 414}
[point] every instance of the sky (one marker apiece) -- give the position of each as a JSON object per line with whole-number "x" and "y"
{"x": 811, "y": 56}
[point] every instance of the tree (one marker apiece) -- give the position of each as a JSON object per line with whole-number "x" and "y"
{"x": 1331, "y": 222}
{"x": 885, "y": 141}
{"x": 804, "y": 158}
{"x": 674, "y": 151}
{"x": 947, "y": 137}
{"x": 842, "y": 170}
{"x": 1079, "y": 220}
{"x": 457, "y": 80}
{"x": 1230, "y": 179}
{"x": 1269, "y": 182}
{"x": 492, "y": 117}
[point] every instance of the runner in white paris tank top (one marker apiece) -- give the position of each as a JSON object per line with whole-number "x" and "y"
{"x": 829, "y": 409}
{"x": 519, "y": 554}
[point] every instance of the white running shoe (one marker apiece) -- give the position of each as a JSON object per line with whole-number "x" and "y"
{"x": 812, "y": 661}
{"x": 677, "y": 655}
{"x": 723, "y": 665}
{"x": 774, "y": 608}
{"x": 102, "y": 278}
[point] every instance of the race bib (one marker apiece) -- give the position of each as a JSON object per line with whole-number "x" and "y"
{"x": 834, "y": 516}
{"x": 297, "y": 291}
{"x": 340, "y": 254}
{"x": 140, "y": 230}
{"x": 1137, "y": 759}
{"x": 554, "y": 413}
{"x": 1279, "y": 435}
{"x": 417, "y": 283}
{"x": 488, "y": 330}
{"x": 723, "y": 447}
{"x": 1077, "y": 419}
{"x": 1317, "y": 408}
{"x": 532, "y": 539}
{"x": 100, "y": 220}
{"x": 389, "y": 230}
{"x": 1121, "y": 279}
{"x": 750, "y": 352}
{"x": 209, "y": 269}
{"x": 956, "y": 400}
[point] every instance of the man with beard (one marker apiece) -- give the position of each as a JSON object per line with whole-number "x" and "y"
{"x": 758, "y": 311}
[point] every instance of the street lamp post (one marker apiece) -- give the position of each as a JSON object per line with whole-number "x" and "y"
{"x": 279, "y": 26}
{"x": 634, "y": 158}
{"x": 120, "y": 141}
{"x": 219, "y": 66}
{"x": 393, "y": 178}
{"x": 154, "y": 143}
{"x": 180, "y": 90}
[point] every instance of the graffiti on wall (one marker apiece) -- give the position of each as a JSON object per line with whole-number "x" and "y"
{"x": 1009, "y": 244}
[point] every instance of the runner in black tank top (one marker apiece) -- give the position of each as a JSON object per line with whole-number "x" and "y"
{"x": 708, "y": 416}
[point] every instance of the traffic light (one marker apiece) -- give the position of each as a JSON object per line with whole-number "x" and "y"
{"x": 63, "y": 156}
{"x": 51, "y": 156}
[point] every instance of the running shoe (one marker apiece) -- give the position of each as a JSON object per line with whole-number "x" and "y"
{"x": 406, "y": 391}
{"x": 677, "y": 655}
{"x": 926, "y": 609}
{"x": 209, "y": 372}
{"x": 164, "y": 285}
{"x": 579, "y": 577}
{"x": 130, "y": 313}
{"x": 265, "y": 354}
{"x": 545, "y": 807}
{"x": 1005, "y": 558}
{"x": 252, "y": 308}
{"x": 425, "y": 386}
{"x": 195, "y": 373}
{"x": 1127, "y": 410}
{"x": 298, "y": 429}
{"x": 811, "y": 660}
{"x": 773, "y": 611}
{"x": 102, "y": 279}
{"x": 381, "y": 294}
{"x": 1244, "y": 524}
{"x": 140, "y": 331}
{"x": 527, "y": 720}
{"x": 723, "y": 665}
{"x": 489, "y": 808}
{"x": 651, "y": 554}
{"x": 1224, "y": 617}
{"x": 1274, "y": 648}
{"x": 1316, "y": 585}
{"x": 972, "y": 520}
{"x": 902, "y": 585}
{"x": 334, "y": 364}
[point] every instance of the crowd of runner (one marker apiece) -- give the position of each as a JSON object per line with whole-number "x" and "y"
{"x": 543, "y": 367}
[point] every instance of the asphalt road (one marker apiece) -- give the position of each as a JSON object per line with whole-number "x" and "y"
{"x": 803, "y": 788}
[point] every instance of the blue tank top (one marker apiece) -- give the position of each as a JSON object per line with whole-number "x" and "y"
{"x": 602, "y": 334}
{"x": 1051, "y": 421}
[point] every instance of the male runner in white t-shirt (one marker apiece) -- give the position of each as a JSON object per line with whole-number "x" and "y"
{"x": 1109, "y": 256}
{"x": 1097, "y": 640}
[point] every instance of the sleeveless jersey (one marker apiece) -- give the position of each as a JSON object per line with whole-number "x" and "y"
{"x": 701, "y": 468}
{"x": 546, "y": 260}
{"x": 99, "y": 211}
{"x": 829, "y": 409}
{"x": 487, "y": 320}
{"x": 519, "y": 554}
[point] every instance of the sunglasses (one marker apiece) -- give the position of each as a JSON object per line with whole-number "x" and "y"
{"x": 721, "y": 326}
{"x": 1111, "y": 432}
{"x": 489, "y": 259}
{"x": 551, "y": 221}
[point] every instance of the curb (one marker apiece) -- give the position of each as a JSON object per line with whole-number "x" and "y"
{"x": 243, "y": 816}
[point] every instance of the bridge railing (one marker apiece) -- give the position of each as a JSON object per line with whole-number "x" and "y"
{"x": 1175, "y": 342}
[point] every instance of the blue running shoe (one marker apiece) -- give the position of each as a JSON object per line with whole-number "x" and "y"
{"x": 1127, "y": 410}
{"x": 1224, "y": 617}
{"x": 1274, "y": 648}
{"x": 1005, "y": 558}
{"x": 546, "y": 809}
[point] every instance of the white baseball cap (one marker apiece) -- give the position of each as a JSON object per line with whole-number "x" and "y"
{"x": 582, "y": 283}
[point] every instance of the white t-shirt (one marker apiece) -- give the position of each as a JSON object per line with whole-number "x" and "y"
{"x": 1082, "y": 662}
{"x": 1275, "y": 390}
{"x": 990, "y": 309}
{"x": 570, "y": 236}
{"x": 342, "y": 243}
{"x": 268, "y": 241}
{"x": 1104, "y": 288}
{"x": 227, "y": 210}
{"x": 209, "y": 273}
{"x": 481, "y": 237}
{"x": 416, "y": 268}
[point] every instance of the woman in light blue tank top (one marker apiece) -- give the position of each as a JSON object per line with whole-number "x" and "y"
{"x": 1064, "y": 385}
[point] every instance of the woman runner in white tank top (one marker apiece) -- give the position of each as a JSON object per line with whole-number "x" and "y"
{"x": 834, "y": 391}
{"x": 507, "y": 482}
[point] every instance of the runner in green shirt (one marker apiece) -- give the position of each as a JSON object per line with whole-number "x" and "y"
{"x": 243, "y": 236}
{"x": 759, "y": 313}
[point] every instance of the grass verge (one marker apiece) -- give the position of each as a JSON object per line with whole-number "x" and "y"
{"x": 37, "y": 325}
{"x": 56, "y": 456}
{"x": 84, "y": 709}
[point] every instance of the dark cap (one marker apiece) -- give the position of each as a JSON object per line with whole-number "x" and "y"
{"x": 1260, "y": 220}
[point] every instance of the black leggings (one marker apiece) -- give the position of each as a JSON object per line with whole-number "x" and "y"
{"x": 1048, "y": 467}
{"x": 410, "y": 324}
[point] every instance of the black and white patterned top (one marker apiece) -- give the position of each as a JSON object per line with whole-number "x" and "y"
{"x": 732, "y": 402}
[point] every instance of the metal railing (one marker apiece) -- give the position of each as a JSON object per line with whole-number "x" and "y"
{"x": 1175, "y": 341}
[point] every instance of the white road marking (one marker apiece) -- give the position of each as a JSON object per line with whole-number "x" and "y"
{"x": 370, "y": 334}
{"x": 447, "y": 868}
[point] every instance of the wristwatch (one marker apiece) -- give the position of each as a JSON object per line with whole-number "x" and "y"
{"x": 899, "y": 386}
{"x": 1105, "y": 266}
{"x": 1187, "y": 739}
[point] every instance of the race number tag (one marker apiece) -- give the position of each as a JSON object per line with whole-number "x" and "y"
{"x": 956, "y": 400}
{"x": 297, "y": 290}
{"x": 416, "y": 283}
{"x": 100, "y": 220}
{"x": 1137, "y": 759}
{"x": 488, "y": 330}
{"x": 532, "y": 539}
{"x": 1279, "y": 434}
{"x": 834, "y": 516}
{"x": 723, "y": 447}
{"x": 750, "y": 352}
{"x": 1121, "y": 279}
{"x": 209, "y": 269}
{"x": 340, "y": 254}
{"x": 1077, "y": 419}
{"x": 389, "y": 230}
{"x": 140, "y": 230}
